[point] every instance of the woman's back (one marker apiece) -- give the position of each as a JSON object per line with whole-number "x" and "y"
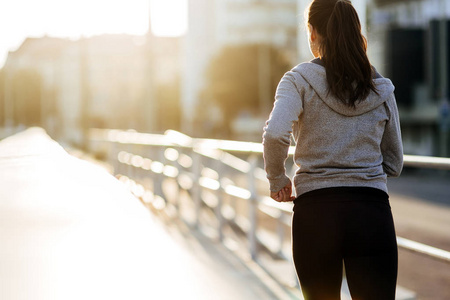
{"x": 337, "y": 145}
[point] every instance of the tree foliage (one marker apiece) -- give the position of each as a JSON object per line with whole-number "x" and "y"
{"x": 168, "y": 105}
{"x": 26, "y": 93}
{"x": 233, "y": 82}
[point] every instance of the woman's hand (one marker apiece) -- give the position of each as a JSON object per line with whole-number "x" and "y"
{"x": 284, "y": 195}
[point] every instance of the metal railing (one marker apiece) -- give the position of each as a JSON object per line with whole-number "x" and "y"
{"x": 200, "y": 165}
{"x": 221, "y": 176}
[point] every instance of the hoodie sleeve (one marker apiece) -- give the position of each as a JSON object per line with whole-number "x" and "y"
{"x": 278, "y": 129}
{"x": 391, "y": 144}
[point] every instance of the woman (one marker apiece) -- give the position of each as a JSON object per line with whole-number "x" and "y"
{"x": 344, "y": 120}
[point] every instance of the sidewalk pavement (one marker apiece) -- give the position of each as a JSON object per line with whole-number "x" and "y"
{"x": 69, "y": 230}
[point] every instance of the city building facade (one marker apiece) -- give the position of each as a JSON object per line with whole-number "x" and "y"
{"x": 409, "y": 43}
{"x": 100, "y": 81}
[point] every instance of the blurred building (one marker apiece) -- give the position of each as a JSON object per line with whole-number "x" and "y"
{"x": 214, "y": 24}
{"x": 47, "y": 57}
{"x": 101, "y": 81}
{"x": 409, "y": 43}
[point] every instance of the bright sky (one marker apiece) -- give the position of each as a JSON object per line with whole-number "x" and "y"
{"x": 74, "y": 18}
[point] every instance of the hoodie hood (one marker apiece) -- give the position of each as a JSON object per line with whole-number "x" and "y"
{"x": 315, "y": 75}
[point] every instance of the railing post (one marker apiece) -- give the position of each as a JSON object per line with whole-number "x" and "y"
{"x": 196, "y": 192}
{"x": 112, "y": 157}
{"x": 138, "y": 169}
{"x": 220, "y": 193}
{"x": 133, "y": 170}
{"x": 162, "y": 159}
{"x": 180, "y": 170}
{"x": 253, "y": 207}
{"x": 280, "y": 231}
{"x": 129, "y": 167}
{"x": 157, "y": 176}
{"x": 121, "y": 166}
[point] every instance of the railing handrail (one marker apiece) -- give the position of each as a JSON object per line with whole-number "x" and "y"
{"x": 426, "y": 162}
{"x": 199, "y": 146}
{"x": 174, "y": 138}
{"x": 420, "y": 248}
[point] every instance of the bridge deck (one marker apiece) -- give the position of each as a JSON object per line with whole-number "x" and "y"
{"x": 69, "y": 230}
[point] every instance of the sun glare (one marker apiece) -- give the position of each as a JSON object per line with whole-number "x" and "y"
{"x": 169, "y": 17}
{"x": 20, "y": 19}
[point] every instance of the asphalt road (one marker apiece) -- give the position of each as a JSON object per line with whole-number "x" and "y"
{"x": 420, "y": 201}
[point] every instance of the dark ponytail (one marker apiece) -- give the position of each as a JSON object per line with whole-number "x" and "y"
{"x": 343, "y": 49}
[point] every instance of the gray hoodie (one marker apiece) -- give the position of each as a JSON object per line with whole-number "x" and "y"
{"x": 336, "y": 145}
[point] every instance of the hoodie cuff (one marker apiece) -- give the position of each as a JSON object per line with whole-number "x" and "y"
{"x": 277, "y": 184}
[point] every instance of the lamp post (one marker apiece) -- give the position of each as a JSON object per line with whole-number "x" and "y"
{"x": 264, "y": 83}
{"x": 444, "y": 105}
{"x": 149, "y": 116}
{"x": 8, "y": 101}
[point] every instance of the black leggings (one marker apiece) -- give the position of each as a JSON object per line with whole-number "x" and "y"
{"x": 348, "y": 226}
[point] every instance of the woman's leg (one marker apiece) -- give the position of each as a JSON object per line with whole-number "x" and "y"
{"x": 370, "y": 254}
{"x": 316, "y": 251}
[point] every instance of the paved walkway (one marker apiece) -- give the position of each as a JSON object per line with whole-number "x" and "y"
{"x": 69, "y": 230}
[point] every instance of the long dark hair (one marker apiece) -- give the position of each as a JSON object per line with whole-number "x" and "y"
{"x": 342, "y": 49}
